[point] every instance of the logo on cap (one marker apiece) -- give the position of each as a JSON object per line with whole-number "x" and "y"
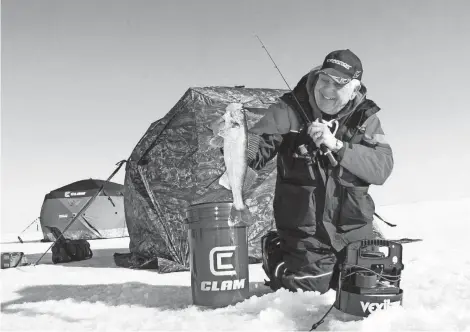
{"x": 357, "y": 73}
{"x": 341, "y": 63}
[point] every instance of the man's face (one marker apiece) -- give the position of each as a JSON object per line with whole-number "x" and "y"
{"x": 330, "y": 96}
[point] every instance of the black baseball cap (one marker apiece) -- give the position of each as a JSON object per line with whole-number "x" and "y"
{"x": 343, "y": 66}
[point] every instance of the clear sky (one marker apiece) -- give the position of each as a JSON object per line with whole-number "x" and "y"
{"x": 83, "y": 80}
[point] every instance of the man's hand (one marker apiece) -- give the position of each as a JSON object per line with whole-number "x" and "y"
{"x": 321, "y": 134}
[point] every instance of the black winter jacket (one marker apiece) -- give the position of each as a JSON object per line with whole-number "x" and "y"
{"x": 334, "y": 205}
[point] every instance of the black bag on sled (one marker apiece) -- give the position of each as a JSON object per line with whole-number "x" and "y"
{"x": 66, "y": 250}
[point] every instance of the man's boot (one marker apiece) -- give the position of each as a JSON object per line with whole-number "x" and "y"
{"x": 272, "y": 265}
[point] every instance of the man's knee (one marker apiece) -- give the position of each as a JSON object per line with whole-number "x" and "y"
{"x": 316, "y": 276}
{"x": 284, "y": 271}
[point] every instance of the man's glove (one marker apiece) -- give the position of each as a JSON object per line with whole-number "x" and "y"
{"x": 321, "y": 134}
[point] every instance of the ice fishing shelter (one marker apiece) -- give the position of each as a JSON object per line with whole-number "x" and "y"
{"x": 173, "y": 167}
{"x": 104, "y": 218}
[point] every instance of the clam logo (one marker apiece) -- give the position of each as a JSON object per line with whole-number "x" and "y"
{"x": 69, "y": 194}
{"x": 218, "y": 264}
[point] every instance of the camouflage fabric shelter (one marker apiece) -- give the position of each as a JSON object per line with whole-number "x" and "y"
{"x": 173, "y": 167}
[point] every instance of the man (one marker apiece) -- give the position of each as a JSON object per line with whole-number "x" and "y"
{"x": 318, "y": 207}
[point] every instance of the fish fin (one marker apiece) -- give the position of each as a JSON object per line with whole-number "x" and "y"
{"x": 224, "y": 182}
{"x": 216, "y": 142}
{"x": 250, "y": 178}
{"x": 240, "y": 217}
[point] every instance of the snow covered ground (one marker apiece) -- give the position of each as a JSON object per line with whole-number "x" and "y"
{"x": 96, "y": 295}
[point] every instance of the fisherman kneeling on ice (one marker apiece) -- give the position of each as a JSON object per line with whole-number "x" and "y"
{"x": 320, "y": 207}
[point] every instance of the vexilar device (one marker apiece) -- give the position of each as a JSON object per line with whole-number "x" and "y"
{"x": 369, "y": 277}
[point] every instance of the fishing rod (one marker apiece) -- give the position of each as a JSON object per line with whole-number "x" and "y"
{"x": 323, "y": 148}
{"x": 19, "y": 236}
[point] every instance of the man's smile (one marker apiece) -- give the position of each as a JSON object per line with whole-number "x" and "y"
{"x": 327, "y": 98}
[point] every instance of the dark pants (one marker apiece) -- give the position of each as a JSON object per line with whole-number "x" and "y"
{"x": 298, "y": 263}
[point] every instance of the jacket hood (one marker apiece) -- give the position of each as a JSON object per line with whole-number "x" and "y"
{"x": 347, "y": 109}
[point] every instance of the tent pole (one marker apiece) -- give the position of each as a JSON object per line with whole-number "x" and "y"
{"x": 156, "y": 209}
{"x": 83, "y": 209}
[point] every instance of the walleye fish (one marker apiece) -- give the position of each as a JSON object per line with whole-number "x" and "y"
{"x": 231, "y": 133}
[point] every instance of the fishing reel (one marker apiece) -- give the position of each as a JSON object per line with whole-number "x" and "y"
{"x": 309, "y": 152}
{"x": 369, "y": 277}
{"x": 304, "y": 153}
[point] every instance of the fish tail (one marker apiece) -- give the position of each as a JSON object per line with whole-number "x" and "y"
{"x": 240, "y": 217}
